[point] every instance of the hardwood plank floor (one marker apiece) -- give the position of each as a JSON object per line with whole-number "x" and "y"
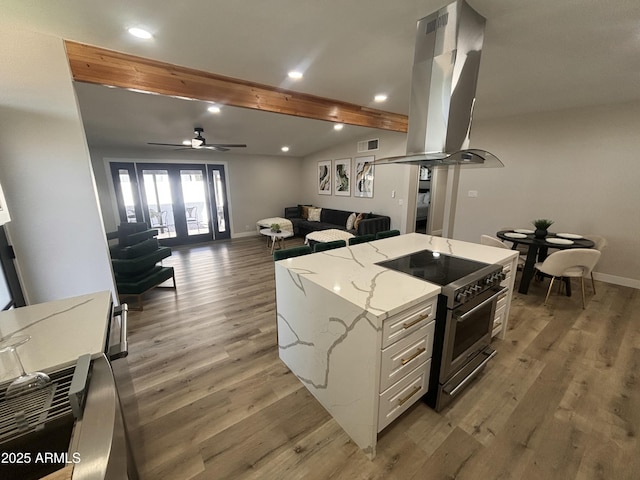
{"x": 561, "y": 400}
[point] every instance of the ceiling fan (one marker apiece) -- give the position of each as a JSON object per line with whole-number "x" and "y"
{"x": 199, "y": 142}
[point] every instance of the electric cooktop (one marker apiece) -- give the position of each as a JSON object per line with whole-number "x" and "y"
{"x": 434, "y": 267}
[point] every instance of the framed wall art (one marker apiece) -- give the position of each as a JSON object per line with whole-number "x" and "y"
{"x": 342, "y": 175}
{"x": 324, "y": 177}
{"x": 4, "y": 213}
{"x": 363, "y": 177}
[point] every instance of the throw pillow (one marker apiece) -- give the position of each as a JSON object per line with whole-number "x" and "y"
{"x": 359, "y": 218}
{"x": 350, "y": 221}
{"x": 314, "y": 214}
{"x": 305, "y": 211}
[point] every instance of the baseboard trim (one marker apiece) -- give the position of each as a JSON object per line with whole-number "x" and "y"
{"x": 616, "y": 280}
{"x": 245, "y": 234}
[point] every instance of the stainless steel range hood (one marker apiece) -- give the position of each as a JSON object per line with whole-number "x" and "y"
{"x": 443, "y": 90}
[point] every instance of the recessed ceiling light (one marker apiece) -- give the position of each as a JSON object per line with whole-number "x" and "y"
{"x": 140, "y": 33}
{"x": 294, "y": 74}
{"x": 285, "y": 149}
{"x": 214, "y": 109}
{"x": 381, "y": 97}
{"x": 338, "y": 126}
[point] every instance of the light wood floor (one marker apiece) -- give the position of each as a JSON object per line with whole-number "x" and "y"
{"x": 561, "y": 400}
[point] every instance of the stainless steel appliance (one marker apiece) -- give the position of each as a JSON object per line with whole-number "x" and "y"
{"x": 76, "y": 421}
{"x": 443, "y": 90}
{"x": 464, "y": 318}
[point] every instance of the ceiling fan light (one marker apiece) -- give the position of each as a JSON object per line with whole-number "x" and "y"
{"x": 197, "y": 142}
{"x": 186, "y": 142}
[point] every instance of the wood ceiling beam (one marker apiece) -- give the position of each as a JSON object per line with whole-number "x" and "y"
{"x": 105, "y": 67}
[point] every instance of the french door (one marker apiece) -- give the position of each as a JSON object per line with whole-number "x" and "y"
{"x": 11, "y": 295}
{"x": 125, "y": 183}
{"x": 218, "y": 192}
{"x": 185, "y": 202}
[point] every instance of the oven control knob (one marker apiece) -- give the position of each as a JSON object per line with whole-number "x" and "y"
{"x": 465, "y": 295}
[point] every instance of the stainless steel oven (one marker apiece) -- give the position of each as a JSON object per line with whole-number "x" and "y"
{"x": 463, "y": 345}
{"x": 464, "y": 318}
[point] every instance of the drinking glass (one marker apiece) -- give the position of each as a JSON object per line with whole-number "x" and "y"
{"x": 26, "y": 382}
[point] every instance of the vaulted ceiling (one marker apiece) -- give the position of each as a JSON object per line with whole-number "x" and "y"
{"x": 538, "y": 56}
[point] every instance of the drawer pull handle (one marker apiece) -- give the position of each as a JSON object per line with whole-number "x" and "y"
{"x": 417, "y": 320}
{"x": 402, "y": 401}
{"x": 415, "y": 354}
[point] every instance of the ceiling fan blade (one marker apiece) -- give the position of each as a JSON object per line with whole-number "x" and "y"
{"x": 167, "y": 144}
{"x": 216, "y": 148}
{"x": 227, "y": 145}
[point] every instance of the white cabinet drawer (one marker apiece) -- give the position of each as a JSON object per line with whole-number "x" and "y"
{"x": 506, "y": 269}
{"x": 498, "y": 320}
{"x": 502, "y": 300}
{"x": 408, "y": 321}
{"x": 404, "y": 355}
{"x": 403, "y": 394}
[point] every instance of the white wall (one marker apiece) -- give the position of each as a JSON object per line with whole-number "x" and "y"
{"x": 257, "y": 186}
{"x": 577, "y": 167}
{"x": 387, "y": 178}
{"x": 56, "y": 226}
{"x": 580, "y": 168}
{"x": 261, "y": 187}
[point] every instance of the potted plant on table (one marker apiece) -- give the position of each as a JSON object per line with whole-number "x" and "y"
{"x": 541, "y": 224}
{"x": 275, "y": 228}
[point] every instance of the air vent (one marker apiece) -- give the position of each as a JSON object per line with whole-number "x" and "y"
{"x": 368, "y": 145}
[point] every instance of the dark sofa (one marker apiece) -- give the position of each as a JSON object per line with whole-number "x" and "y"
{"x": 330, "y": 218}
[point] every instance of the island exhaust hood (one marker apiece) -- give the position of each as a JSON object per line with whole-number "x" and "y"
{"x": 443, "y": 90}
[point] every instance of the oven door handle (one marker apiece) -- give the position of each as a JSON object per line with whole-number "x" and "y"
{"x": 464, "y": 316}
{"x": 471, "y": 375}
{"x": 121, "y": 350}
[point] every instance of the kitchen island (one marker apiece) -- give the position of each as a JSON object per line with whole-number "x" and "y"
{"x": 359, "y": 336}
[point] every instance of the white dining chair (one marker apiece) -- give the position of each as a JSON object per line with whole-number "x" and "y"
{"x": 599, "y": 244}
{"x": 492, "y": 241}
{"x": 496, "y": 242}
{"x": 575, "y": 262}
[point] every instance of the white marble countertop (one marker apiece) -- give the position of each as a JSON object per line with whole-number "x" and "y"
{"x": 350, "y": 272}
{"x": 60, "y": 330}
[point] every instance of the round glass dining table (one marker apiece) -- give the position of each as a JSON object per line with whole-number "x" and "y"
{"x": 538, "y": 249}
